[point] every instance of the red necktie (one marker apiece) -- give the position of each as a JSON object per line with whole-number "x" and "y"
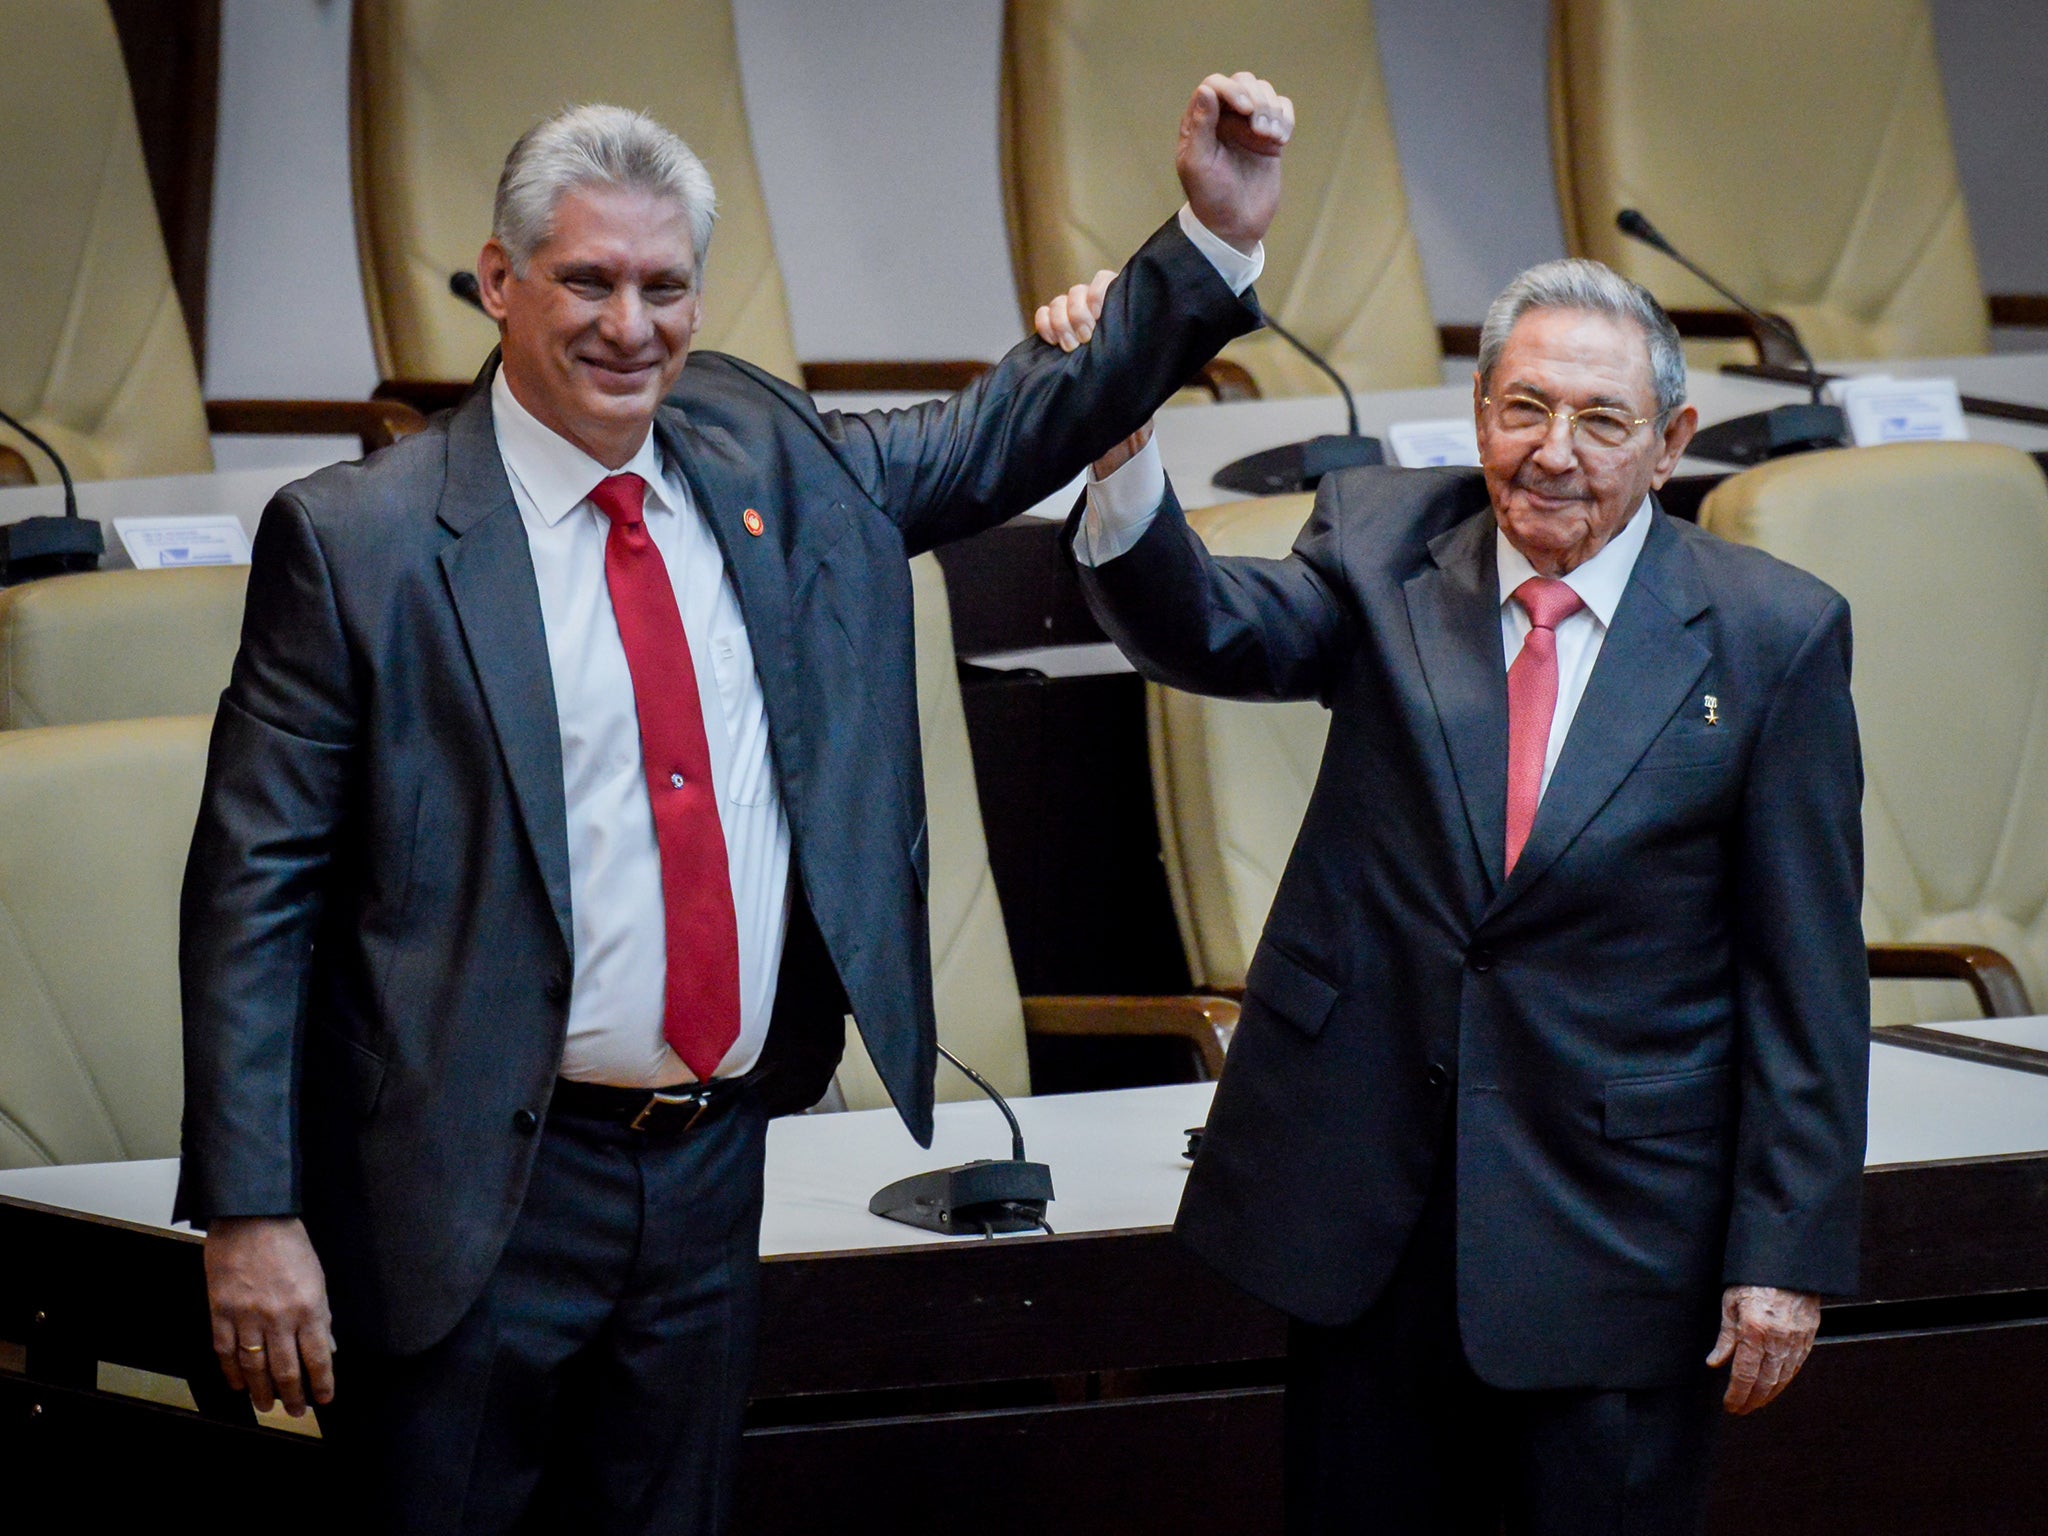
{"x": 701, "y": 1005}
{"x": 1532, "y": 701}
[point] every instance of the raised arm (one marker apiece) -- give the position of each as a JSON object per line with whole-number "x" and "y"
{"x": 951, "y": 468}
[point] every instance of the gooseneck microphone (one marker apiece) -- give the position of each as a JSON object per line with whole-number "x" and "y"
{"x": 1763, "y": 434}
{"x": 49, "y": 546}
{"x": 1299, "y": 466}
{"x": 983, "y": 1196}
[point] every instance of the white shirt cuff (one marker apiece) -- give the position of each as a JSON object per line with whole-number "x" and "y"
{"x": 1120, "y": 507}
{"x": 1231, "y": 264}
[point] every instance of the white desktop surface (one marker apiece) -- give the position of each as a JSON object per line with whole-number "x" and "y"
{"x": 2030, "y": 1032}
{"x": 1115, "y": 1157}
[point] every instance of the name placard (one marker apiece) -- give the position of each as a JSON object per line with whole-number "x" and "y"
{"x": 1430, "y": 444}
{"x": 1882, "y": 409}
{"x": 171, "y": 543}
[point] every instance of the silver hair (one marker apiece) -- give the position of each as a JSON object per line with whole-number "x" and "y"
{"x": 596, "y": 145}
{"x": 1589, "y": 286}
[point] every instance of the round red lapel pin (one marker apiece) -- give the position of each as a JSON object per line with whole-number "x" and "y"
{"x": 753, "y": 521}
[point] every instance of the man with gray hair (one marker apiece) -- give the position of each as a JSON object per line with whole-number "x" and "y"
{"x": 564, "y": 800}
{"x": 1548, "y": 1099}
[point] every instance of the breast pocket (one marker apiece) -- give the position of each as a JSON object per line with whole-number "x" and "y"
{"x": 751, "y": 779}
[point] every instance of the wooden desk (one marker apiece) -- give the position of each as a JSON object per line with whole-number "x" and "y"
{"x": 1101, "y": 1380}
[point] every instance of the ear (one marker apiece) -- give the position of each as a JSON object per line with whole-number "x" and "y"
{"x": 493, "y": 275}
{"x": 1678, "y": 433}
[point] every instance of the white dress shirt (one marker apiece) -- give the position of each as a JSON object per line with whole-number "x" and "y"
{"x": 621, "y": 969}
{"x": 1121, "y": 507}
{"x": 1599, "y": 583}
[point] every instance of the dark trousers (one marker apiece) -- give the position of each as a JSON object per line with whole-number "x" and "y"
{"x": 1390, "y": 1432}
{"x": 597, "y": 1384}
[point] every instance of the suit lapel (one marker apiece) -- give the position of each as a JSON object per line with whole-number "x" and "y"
{"x": 723, "y": 484}
{"x": 1646, "y": 670}
{"x": 489, "y": 571}
{"x": 1454, "y": 611}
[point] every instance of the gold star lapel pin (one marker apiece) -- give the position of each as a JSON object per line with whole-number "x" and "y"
{"x": 1713, "y": 710}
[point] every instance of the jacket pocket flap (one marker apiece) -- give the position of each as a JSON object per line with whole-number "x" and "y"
{"x": 1664, "y": 1106}
{"x": 362, "y": 1067}
{"x": 1290, "y": 989}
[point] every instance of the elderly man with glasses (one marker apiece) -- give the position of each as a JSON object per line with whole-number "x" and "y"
{"x": 1548, "y": 1102}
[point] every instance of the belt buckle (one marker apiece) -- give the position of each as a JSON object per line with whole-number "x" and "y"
{"x": 699, "y": 1095}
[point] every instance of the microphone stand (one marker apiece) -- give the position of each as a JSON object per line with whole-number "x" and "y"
{"x": 1784, "y": 429}
{"x": 1300, "y": 466}
{"x": 49, "y": 546}
{"x": 984, "y": 1196}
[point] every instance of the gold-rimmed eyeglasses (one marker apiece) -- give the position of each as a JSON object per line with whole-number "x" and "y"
{"x": 1527, "y": 417}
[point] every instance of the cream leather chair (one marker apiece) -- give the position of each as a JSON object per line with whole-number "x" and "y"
{"x": 1942, "y": 551}
{"x": 118, "y": 645}
{"x": 1090, "y": 96}
{"x": 95, "y": 822}
{"x": 1230, "y": 780}
{"x": 442, "y": 88}
{"x": 1800, "y": 153}
{"x": 982, "y": 1020}
{"x": 93, "y": 354}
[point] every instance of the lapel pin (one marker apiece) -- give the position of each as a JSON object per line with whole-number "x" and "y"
{"x": 1713, "y": 710}
{"x": 753, "y": 521}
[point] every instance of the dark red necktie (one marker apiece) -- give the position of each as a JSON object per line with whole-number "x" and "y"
{"x": 1532, "y": 702}
{"x": 701, "y": 1007}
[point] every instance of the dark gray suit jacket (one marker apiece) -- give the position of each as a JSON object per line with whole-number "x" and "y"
{"x": 376, "y": 932}
{"x": 1647, "y": 1048}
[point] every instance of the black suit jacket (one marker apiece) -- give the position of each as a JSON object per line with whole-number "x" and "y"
{"x": 376, "y": 932}
{"x": 1647, "y": 1048}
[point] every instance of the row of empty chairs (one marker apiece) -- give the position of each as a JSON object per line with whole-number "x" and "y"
{"x": 1806, "y": 161}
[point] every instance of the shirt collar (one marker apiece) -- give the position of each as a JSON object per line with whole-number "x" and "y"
{"x": 1599, "y": 582}
{"x": 556, "y": 475}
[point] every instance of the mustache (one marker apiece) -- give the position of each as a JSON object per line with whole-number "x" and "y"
{"x": 1530, "y": 479}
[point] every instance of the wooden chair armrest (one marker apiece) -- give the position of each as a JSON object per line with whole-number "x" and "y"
{"x": 2000, "y": 992}
{"x": 1226, "y": 381}
{"x": 901, "y": 376}
{"x": 14, "y": 468}
{"x": 424, "y": 395}
{"x": 1458, "y": 340}
{"x": 377, "y": 423}
{"x": 1206, "y": 1023}
{"x": 2027, "y": 309}
{"x": 1734, "y": 325}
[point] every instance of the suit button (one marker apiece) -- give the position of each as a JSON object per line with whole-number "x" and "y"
{"x": 1439, "y": 1076}
{"x": 1479, "y": 958}
{"x": 525, "y": 1121}
{"x": 557, "y": 989}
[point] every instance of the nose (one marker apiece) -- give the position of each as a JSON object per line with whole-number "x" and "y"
{"x": 625, "y": 322}
{"x": 1558, "y": 451}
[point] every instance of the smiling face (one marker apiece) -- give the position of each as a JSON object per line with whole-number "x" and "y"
{"x": 1558, "y": 495}
{"x": 597, "y": 329}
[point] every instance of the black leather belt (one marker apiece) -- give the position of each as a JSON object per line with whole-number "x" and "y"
{"x": 650, "y": 1111}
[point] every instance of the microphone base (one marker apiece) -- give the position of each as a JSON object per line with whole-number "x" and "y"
{"x": 1297, "y": 466}
{"x": 974, "y": 1199}
{"x": 49, "y": 546}
{"x": 1771, "y": 434}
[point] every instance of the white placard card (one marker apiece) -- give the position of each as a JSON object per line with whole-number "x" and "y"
{"x": 1427, "y": 444}
{"x": 170, "y": 543}
{"x": 1883, "y": 409}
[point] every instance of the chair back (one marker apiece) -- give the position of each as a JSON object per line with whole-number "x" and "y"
{"x": 439, "y": 92}
{"x": 973, "y": 980}
{"x": 1231, "y": 780}
{"x": 1090, "y": 96}
{"x": 118, "y": 645}
{"x": 1942, "y": 551}
{"x": 95, "y": 823}
{"x": 1800, "y": 153}
{"x": 93, "y": 351}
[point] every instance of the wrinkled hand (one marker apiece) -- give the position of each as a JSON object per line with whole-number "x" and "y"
{"x": 1231, "y": 137}
{"x": 268, "y": 1295}
{"x": 1768, "y": 1333}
